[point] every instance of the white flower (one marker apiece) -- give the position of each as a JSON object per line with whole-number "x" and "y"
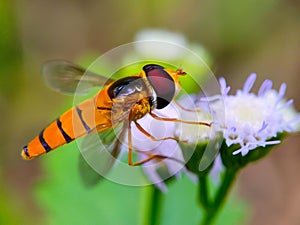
{"x": 251, "y": 120}
{"x": 216, "y": 170}
{"x": 168, "y": 148}
{"x": 173, "y": 168}
{"x": 193, "y": 133}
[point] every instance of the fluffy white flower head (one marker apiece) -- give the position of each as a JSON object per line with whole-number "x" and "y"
{"x": 251, "y": 120}
{"x": 168, "y": 148}
{"x": 193, "y": 133}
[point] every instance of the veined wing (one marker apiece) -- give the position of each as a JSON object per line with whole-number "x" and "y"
{"x": 64, "y": 76}
{"x": 98, "y": 154}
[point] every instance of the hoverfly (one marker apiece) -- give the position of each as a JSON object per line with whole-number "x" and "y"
{"x": 122, "y": 101}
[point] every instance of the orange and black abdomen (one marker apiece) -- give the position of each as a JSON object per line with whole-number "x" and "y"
{"x": 92, "y": 115}
{"x": 50, "y": 138}
{"x": 76, "y": 122}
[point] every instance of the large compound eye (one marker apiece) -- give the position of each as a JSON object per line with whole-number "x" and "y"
{"x": 162, "y": 83}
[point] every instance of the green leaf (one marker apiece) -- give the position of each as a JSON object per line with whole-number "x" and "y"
{"x": 66, "y": 200}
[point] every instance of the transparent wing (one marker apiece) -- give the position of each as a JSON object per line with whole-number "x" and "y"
{"x": 88, "y": 176}
{"x": 64, "y": 77}
{"x": 99, "y": 152}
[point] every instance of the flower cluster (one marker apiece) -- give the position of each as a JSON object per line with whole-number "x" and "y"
{"x": 250, "y": 121}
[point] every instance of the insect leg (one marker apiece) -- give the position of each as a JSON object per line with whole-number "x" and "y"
{"x": 180, "y": 121}
{"x": 186, "y": 109}
{"x": 129, "y": 144}
{"x": 140, "y": 128}
{"x": 150, "y": 156}
{"x": 154, "y": 156}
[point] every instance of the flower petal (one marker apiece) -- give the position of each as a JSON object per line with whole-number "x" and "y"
{"x": 249, "y": 83}
{"x": 266, "y": 86}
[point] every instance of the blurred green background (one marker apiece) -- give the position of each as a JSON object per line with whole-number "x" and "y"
{"x": 241, "y": 36}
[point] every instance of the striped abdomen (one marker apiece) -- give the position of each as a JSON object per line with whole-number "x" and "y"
{"x": 77, "y": 122}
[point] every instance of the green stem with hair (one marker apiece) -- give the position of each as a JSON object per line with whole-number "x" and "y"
{"x": 213, "y": 208}
{"x": 154, "y": 206}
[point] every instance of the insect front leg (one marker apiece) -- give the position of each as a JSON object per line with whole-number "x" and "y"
{"x": 186, "y": 109}
{"x": 141, "y": 129}
{"x": 180, "y": 121}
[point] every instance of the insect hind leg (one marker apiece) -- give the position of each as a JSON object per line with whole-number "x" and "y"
{"x": 157, "y": 157}
{"x": 150, "y": 156}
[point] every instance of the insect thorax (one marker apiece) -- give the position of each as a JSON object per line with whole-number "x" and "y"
{"x": 140, "y": 109}
{"x": 131, "y": 106}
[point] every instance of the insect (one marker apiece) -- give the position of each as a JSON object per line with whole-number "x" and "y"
{"x": 120, "y": 102}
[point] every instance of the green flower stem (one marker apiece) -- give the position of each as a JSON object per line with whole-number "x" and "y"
{"x": 228, "y": 180}
{"x": 203, "y": 192}
{"x": 211, "y": 212}
{"x": 154, "y": 206}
